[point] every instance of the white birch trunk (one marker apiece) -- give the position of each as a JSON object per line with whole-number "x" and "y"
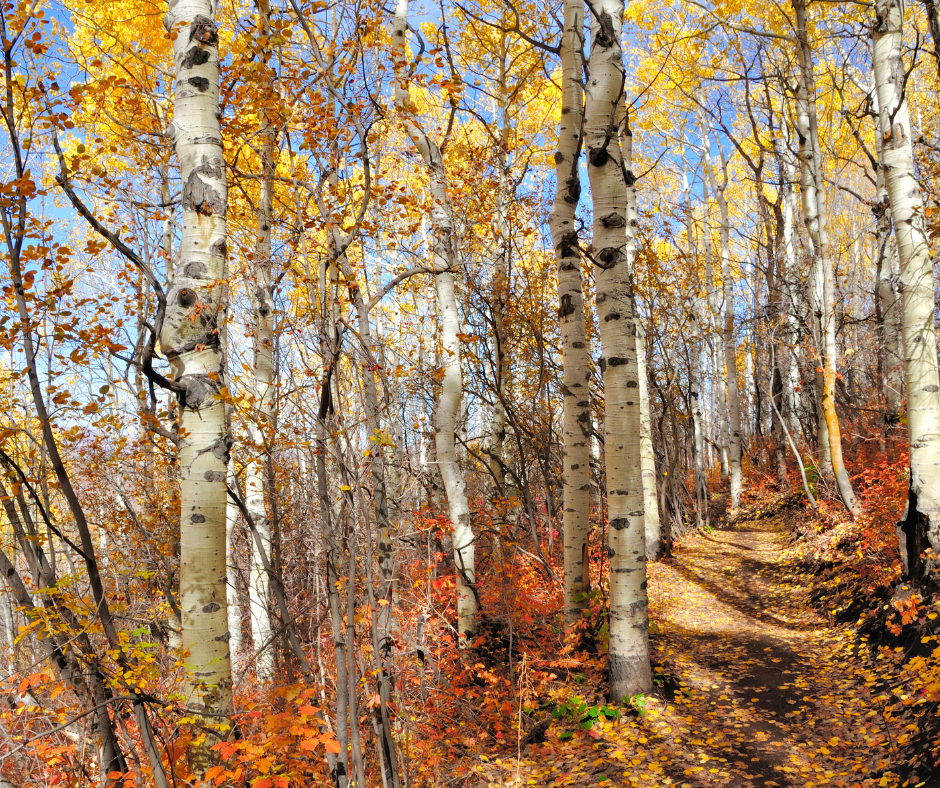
{"x": 652, "y": 525}
{"x": 231, "y": 591}
{"x": 823, "y": 281}
{"x": 888, "y": 309}
{"x": 448, "y": 404}
{"x": 576, "y": 403}
{"x": 614, "y": 240}
{"x": 792, "y": 330}
{"x": 919, "y": 529}
{"x": 695, "y": 367}
{"x": 719, "y": 389}
{"x": 263, "y": 384}
{"x": 727, "y": 334}
{"x": 191, "y": 340}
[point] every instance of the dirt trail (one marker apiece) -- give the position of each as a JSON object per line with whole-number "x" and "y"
{"x": 768, "y": 693}
{"x": 775, "y": 686}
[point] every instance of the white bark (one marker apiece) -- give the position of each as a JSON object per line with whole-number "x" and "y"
{"x": 231, "y": 591}
{"x": 191, "y": 340}
{"x": 695, "y": 368}
{"x": 263, "y": 384}
{"x": 448, "y": 404}
{"x": 614, "y": 245}
{"x": 815, "y": 214}
{"x": 576, "y": 420}
{"x": 652, "y": 525}
{"x": 920, "y": 527}
{"x": 727, "y": 334}
{"x": 790, "y": 268}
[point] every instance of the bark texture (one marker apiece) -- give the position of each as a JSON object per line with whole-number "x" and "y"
{"x": 448, "y": 404}
{"x": 919, "y": 529}
{"x": 191, "y": 340}
{"x": 576, "y": 419}
{"x": 263, "y": 384}
{"x": 823, "y": 279}
{"x": 614, "y": 244}
{"x": 727, "y": 332}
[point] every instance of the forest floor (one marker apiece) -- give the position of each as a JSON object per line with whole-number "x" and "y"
{"x": 756, "y": 686}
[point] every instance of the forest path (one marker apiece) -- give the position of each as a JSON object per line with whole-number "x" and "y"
{"x": 763, "y": 691}
{"x": 774, "y": 692}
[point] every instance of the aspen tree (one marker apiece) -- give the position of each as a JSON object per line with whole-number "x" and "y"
{"x": 576, "y": 402}
{"x": 695, "y": 354}
{"x": 448, "y": 404}
{"x": 191, "y": 340}
{"x": 263, "y": 376}
{"x": 933, "y": 21}
{"x": 815, "y": 214}
{"x": 231, "y": 591}
{"x": 919, "y": 529}
{"x": 501, "y": 281}
{"x": 727, "y": 333}
{"x": 651, "y": 524}
{"x": 615, "y": 219}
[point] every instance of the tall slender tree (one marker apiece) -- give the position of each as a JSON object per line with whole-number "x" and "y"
{"x": 615, "y": 221}
{"x": 191, "y": 338}
{"x": 576, "y": 395}
{"x": 919, "y": 529}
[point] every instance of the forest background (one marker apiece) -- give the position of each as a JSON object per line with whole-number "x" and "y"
{"x": 358, "y": 358}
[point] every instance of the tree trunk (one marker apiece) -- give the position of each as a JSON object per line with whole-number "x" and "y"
{"x": 652, "y": 526}
{"x": 576, "y": 401}
{"x": 727, "y": 334}
{"x": 887, "y": 303}
{"x": 196, "y": 308}
{"x": 933, "y": 21}
{"x": 231, "y": 590}
{"x": 615, "y": 218}
{"x": 448, "y": 404}
{"x": 263, "y": 382}
{"x": 816, "y": 217}
{"x": 695, "y": 366}
{"x": 919, "y": 528}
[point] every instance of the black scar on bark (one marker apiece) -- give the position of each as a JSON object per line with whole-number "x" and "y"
{"x": 598, "y": 156}
{"x": 612, "y": 316}
{"x": 568, "y": 246}
{"x": 200, "y": 83}
{"x": 196, "y": 56}
{"x": 609, "y": 257}
{"x": 577, "y": 345}
{"x": 566, "y": 308}
{"x": 197, "y": 518}
{"x": 605, "y": 37}
{"x": 261, "y": 296}
{"x": 616, "y": 361}
{"x": 187, "y": 297}
{"x": 613, "y": 220}
{"x": 204, "y": 31}
{"x": 572, "y": 190}
{"x": 619, "y": 523}
{"x": 200, "y": 197}
{"x": 212, "y": 607}
{"x": 219, "y": 248}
